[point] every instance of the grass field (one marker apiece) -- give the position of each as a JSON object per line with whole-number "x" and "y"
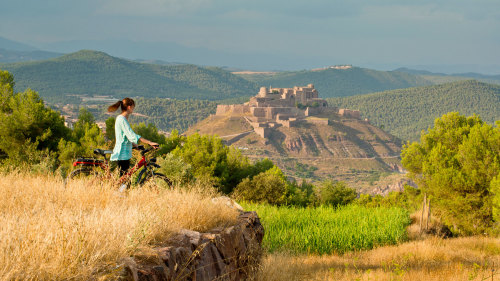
{"x": 84, "y": 231}
{"x": 326, "y": 230}
{"x": 432, "y": 259}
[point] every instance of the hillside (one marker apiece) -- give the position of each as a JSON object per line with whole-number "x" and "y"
{"x": 340, "y": 82}
{"x": 91, "y": 72}
{"x": 439, "y": 78}
{"x": 406, "y": 112}
{"x": 17, "y": 56}
{"x": 344, "y": 149}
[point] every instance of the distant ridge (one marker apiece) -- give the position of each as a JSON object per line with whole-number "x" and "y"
{"x": 332, "y": 82}
{"x": 8, "y": 56}
{"x": 92, "y": 72}
{"x": 406, "y": 112}
{"x": 12, "y": 51}
{"x": 441, "y": 77}
{"x": 15, "y": 46}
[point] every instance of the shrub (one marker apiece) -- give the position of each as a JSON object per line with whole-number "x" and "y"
{"x": 336, "y": 194}
{"x": 175, "y": 169}
{"x": 267, "y": 187}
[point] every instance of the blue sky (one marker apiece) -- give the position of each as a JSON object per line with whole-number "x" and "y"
{"x": 299, "y": 34}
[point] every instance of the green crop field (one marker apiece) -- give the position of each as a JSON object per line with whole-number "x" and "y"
{"x": 326, "y": 230}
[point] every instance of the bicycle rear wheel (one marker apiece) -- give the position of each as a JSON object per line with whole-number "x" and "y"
{"x": 149, "y": 177}
{"x": 81, "y": 173}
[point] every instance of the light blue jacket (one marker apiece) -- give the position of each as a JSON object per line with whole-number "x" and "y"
{"x": 124, "y": 136}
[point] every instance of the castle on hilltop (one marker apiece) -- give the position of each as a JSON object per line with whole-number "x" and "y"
{"x": 285, "y": 107}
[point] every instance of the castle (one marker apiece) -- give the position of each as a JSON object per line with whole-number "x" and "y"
{"x": 285, "y": 107}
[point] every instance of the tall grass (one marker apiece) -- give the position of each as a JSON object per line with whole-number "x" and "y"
{"x": 84, "y": 230}
{"x": 326, "y": 230}
{"x": 433, "y": 259}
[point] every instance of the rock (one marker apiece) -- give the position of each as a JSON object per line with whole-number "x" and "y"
{"x": 232, "y": 253}
{"x": 228, "y": 202}
{"x": 396, "y": 186}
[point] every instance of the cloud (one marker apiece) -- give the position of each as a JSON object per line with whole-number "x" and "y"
{"x": 151, "y": 7}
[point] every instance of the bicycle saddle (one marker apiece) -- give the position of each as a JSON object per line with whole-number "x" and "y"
{"x": 102, "y": 152}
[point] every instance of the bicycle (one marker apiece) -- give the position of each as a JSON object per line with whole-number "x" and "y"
{"x": 101, "y": 168}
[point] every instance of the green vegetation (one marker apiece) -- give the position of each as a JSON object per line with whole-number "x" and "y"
{"x": 304, "y": 171}
{"x": 337, "y": 194}
{"x": 326, "y": 230}
{"x": 34, "y": 135}
{"x": 91, "y": 72}
{"x": 342, "y": 82}
{"x": 457, "y": 162}
{"x": 406, "y": 112}
{"x": 170, "y": 114}
{"x": 29, "y": 131}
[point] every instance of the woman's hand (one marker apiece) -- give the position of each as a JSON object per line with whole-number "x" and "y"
{"x": 152, "y": 143}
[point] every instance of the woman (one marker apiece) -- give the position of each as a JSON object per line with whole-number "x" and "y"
{"x": 124, "y": 135}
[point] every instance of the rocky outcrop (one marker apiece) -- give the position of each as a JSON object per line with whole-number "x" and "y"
{"x": 221, "y": 254}
{"x": 396, "y": 186}
{"x": 293, "y": 145}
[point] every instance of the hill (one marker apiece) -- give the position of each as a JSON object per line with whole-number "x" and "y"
{"x": 439, "y": 78}
{"x": 17, "y": 56}
{"x": 406, "y": 112}
{"x": 341, "y": 148}
{"x": 90, "y": 72}
{"x": 12, "y": 51}
{"x": 8, "y": 44}
{"x": 332, "y": 82}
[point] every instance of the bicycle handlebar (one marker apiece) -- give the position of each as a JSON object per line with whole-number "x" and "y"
{"x": 144, "y": 150}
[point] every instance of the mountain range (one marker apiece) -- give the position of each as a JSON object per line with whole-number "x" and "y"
{"x": 406, "y": 112}
{"x": 89, "y": 72}
{"x": 95, "y": 73}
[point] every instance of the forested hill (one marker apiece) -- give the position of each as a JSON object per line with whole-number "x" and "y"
{"x": 406, "y": 112}
{"x": 91, "y": 72}
{"x": 341, "y": 82}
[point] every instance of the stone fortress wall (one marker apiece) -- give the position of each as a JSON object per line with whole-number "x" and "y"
{"x": 273, "y": 107}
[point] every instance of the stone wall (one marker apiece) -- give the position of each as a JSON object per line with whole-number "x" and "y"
{"x": 231, "y": 253}
{"x": 319, "y": 121}
{"x": 232, "y": 108}
{"x": 263, "y": 132}
{"x": 350, "y": 113}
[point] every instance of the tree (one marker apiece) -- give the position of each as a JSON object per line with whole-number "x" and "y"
{"x": 110, "y": 129}
{"x": 455, "y": 163}
{"x": 85, "y": 137}
{"x": 27, "y": 125}
{"x": 336, "y": 194}
{"x": 268, "y": 187}
{"x": 6, "y": 89}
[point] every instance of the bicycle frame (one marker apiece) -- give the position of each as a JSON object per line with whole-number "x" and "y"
{"x": 92, "y": 163}
{"x": 130, "y": 172}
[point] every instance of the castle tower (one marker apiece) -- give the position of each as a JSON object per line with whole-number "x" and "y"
{"x": 262, "y": 92}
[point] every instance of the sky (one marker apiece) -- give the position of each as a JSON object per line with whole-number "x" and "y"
{"x": 459, "y": 35}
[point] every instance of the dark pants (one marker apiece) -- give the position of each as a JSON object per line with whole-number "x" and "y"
{"x": 123, "y": 165}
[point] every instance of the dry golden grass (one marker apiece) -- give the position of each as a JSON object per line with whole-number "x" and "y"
{"x": 82, "y": 232}
{"x": 471, "y": 258}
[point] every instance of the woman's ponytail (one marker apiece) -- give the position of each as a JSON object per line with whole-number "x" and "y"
{"x": 115, "y": 106}
{"x": 123, "y": 104}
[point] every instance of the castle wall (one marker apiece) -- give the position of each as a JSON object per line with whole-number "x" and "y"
{"x": 258, "y": 111}
{"x": 223, "y": 109}
{"x": 319, "y": 121}
{"x": 263, "y": 132}
{"x": 350, "y": 113}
